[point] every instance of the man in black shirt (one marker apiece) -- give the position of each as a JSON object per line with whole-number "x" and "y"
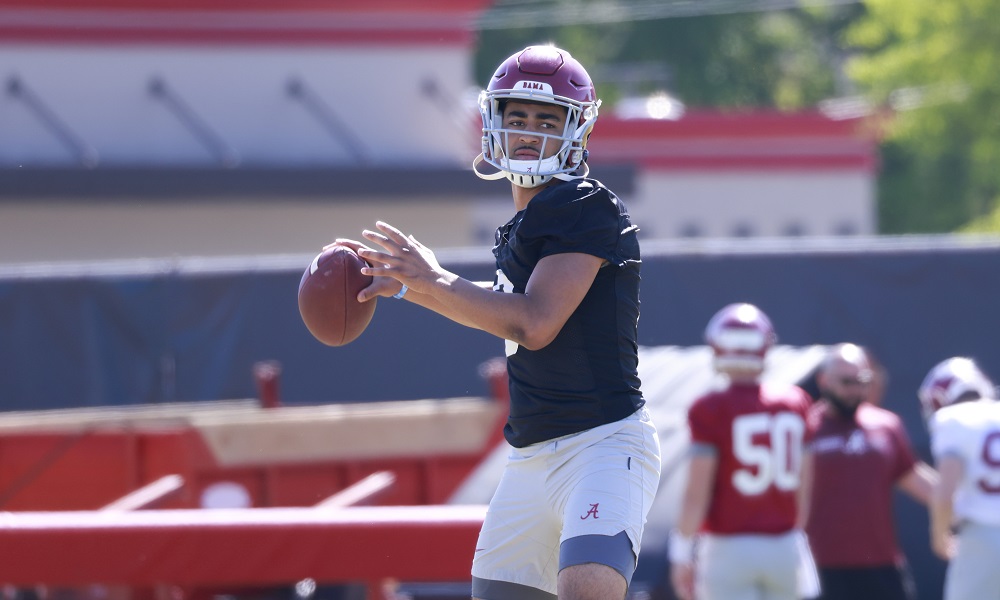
{"x": 568, "y": 515}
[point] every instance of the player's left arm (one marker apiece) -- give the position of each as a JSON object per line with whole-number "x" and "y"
{"x": 950, "y": 471}
{"x": 919, "y": 482}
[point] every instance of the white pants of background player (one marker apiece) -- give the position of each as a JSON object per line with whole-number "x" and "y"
{"x": 578, "y": 499}
{"x": 755, "y": 567}
{"x": 974, "y": 574}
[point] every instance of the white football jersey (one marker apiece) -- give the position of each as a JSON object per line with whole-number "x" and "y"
{"x": 971, "y": 431}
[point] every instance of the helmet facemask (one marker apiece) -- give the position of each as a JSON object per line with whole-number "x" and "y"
{"x": 738, "y": 349}
{"x": 572, "y": 142}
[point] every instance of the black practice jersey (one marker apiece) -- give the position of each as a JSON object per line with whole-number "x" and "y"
{"x": 588, "y": 375}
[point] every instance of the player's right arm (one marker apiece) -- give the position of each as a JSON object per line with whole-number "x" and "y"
{"x": 556, "y": 287}
{"x": 951, "y": 469}
{"x": 698, "y": 493}
{"x": 431, "y": 303}
{"x": 387, "y": 287}
{"x": 694, "y": 508}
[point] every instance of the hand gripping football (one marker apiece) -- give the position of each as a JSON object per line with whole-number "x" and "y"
{"x": 328, "y": 296}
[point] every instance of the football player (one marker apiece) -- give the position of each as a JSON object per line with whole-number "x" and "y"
{"x": 749, "y": 476}
{"x": 963, "y": 415}
{"x": 862, "y": 454}
{"x": 568, "y": 515}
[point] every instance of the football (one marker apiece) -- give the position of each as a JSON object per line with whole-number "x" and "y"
{"x": 328, "y": 296}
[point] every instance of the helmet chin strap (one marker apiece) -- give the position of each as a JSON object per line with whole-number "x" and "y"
{"x": 488, "y": 176}
{"x": 522, "y": 179}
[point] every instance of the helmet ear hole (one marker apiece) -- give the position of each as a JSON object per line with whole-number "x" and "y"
{"x": 575, "y": 158}
{"x": 968, "y": 396}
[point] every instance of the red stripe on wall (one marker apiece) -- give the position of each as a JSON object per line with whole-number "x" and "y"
{"x": 757, "y": 141}
{"x": 865, "y": 163}
{"x": 355, "y": 37}
{"x": 734, "y": 125}
{"x": 370, "y": 22}
{"x": 328, "y": 6}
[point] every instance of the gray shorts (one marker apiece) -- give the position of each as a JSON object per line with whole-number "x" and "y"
{"x": 973, "y": 573}
{"x": 578, "y": 499}
{"x": 750, "y": 567}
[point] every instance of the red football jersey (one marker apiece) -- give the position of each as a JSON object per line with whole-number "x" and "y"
{"x": 858, "y": 463}
{"x": 759, "y": 433}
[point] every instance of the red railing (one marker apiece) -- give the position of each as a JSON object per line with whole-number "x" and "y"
{"x": 238, "y": 548}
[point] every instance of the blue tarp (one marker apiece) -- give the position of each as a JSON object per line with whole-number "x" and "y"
{"x": 158, "y": 331}
{"x": 150, "y": 331}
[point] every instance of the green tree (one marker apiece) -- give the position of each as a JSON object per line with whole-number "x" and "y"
{"x": 785, "y": 59}
{"x": 934, "y": 65}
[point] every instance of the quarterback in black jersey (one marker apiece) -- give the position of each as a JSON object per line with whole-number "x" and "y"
{"x": 567, "y": 517}
{"x": 586, "y": 376}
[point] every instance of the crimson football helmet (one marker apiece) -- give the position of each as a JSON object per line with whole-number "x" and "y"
{"x": 538, "y": 74}
{"x": 953, "y": 380}
{"x": 740, "y": 335}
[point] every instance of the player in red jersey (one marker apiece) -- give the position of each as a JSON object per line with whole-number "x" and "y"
{"x": 862, "y": 453}
{"x": 748, "y": 478}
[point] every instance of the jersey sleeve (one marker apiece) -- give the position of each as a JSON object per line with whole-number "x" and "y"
{"x": 947, "y": 435}
{"x": 703, "y": 422}
{"x": 584, "y": 217}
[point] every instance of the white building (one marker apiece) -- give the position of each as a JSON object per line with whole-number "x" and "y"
{"x": 198, "y": 128}
{"x": 746, "y": 174}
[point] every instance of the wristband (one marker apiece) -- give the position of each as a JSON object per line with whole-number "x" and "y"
{"x": 402, "y": 292}
{"x": 679, "y": 550}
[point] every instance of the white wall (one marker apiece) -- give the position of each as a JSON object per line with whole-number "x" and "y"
{"x": 403, "y": 105}
{"x": 767, "y": 203}
{"x": 665, "y": 205}
{"x": 71, "y": 231}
